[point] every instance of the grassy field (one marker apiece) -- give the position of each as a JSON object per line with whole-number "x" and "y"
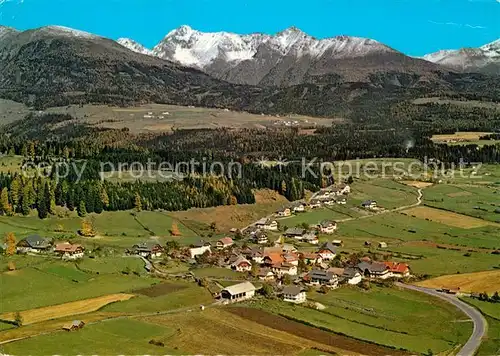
{"x": 388, "y": 194}
{"x": 315, "y": 216}
{"x": 463, "y": 138}
{"x": 447, "y": 217}
{"x": 104, "y": 338}
{"x": 200, "y": 333}
{"x": 488, "y": 281}
{"x": 473, "y": 200}
{"x": 391, "y": 317}
{"x": 491, "y": 311}
{"x": 31, "y": 288}
{"x": 67, "y": 309}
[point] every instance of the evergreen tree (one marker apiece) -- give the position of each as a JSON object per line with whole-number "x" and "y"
{"x": 5, "y": 205}
{"x": 81, "y": 209}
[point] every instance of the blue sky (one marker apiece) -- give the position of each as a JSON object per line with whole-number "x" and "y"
{"x": 415, "y": 27}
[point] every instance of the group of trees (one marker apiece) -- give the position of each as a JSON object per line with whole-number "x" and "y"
{"x": 495, "y": 298}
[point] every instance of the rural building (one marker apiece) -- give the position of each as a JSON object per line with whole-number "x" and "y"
{"x": 352, "y": 276}
{"x": 369, "y": 204}
{"x": 310, "y": 238}
{"x": 271, "y": 258}
{"x": 337, "y": 243}
{"x": 294, "y": 294}
{"x": 267, "y": 224}
{"x": 311, "y": 258}
{"x": 260, "y": 238}
{"x": 336, "y": 271}
{"x": 397, "y": 269}
{"x": 294, "y": 232}
{"x": 344, "y": 189}
{"x": 342, "y": 201}
{"x": 265, "y": 274}
{"x": 327, "y": 227}
{"x": 223, "y": 243}
{"x": 147, "y": 249}
{"x": 314, "y": 204}
{"x": 280, "y": 269}
{"x": 374, "y": 270}
{"x": 382, "y": 245}
{"x": 323, "y": 278}
{"x": 199, "y": 248}
{"x": 284, "y": 212}
{"x": 287, "y": 248}
{"x": 328, "y": 251}
{"x": 68, "y": 251}
{"x": 291, "y": 258}
{"x": 328, "y": 201}
{"x": 34, "y": 244}
{"x": 298, "y": 207}
{"x": 255, "y": 254}
{"x": 238, "y": 292}
{"x": 241, "y": 265}
{"x": 74, "y": 325}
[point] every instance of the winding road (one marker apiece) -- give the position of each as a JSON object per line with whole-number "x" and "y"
{"x": 480, "y": 324}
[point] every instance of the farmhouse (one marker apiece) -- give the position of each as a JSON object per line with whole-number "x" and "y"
{"x": 328, "y": 251}
{"x": 199, "y": 248}
{"x": 241, "y": 265}
{"x": 336, "y": 271}
{"x": 310, "y": 238}
{"x": 280, "y": 269}
{"x": 352, "y": 276}
{"x": 397, "y": 269}
{"x": 68, "y": 251}
{"x": 369, "y": 204}
{"x": 327, "y": 227}
{"x": 320, "y": 277}
{"x": 223, "y": 243}
{"x": 238, "y": 292}
{"x": 294, "y": 294}
{"x": 344, "y": 189}
{"x": 291, "y": 258}
{"x": 382, "y": 245}
{"x": 267, "y": 224}
{"x": 315, "y": 203}
{"x": 328, "y": 201}
{"x": 255, "y": 254}
{"x": 342, "y": 201}
{"x": 295, "y": 232}
{"x": 34, "y": 244}
{"x": 284, "y": 212}
{"x": 272, "y": 258}
{"x": 374, "y": 270}
{"x": 74, "y": 325}
{"x": 337, "y": 243}
{"x": 298, "y": 207}
{"x": 311, "y": 258}
{"x": 265, "y": 274}
{"x": 147, "y": 249}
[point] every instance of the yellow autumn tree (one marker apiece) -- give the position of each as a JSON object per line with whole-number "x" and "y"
{"x": 174, "y": 230}
{"x": 87, "y": 229}
{"x": 10, "y": 241}
{"x": 137, "y": 202}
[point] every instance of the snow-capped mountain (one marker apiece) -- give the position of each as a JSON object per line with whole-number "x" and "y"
{"x": 134, "y": 46}
{"x": 485, "y": 58}
{"x": 194, "y": 48}
{"x": 286, "y": 58}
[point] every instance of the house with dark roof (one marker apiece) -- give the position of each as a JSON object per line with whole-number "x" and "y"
{"x": 321, "y": 277}
{"x": 315, "y": 203}
{"x": 295, "y": 232}
{"x": 284, "y": 212}
{"x": 328, "y": 251}
{"x": 147, "y": 249}
{"x": 294, "y": 294}
{"x": 327, "y": 227}
{"x": 298, "y": 207}
{"x": 310, "y": 238}
{"x": 352, "y": 275}
{"x": 265, "y": 274}
{"x": 374, "y": 270}
{"x": 369, "y": 204}
{"x": 34, "y": 244}
{"x": 280, "y": 269}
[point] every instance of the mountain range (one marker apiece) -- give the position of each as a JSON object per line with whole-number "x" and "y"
{"x": 288, "y": 72}
{"x": 292, "y": 57}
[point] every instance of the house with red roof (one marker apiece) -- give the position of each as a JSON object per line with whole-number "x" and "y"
{"x": 223, "y": 243}
{"x": 398, "y": 269}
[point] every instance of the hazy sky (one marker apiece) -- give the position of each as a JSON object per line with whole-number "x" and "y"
{"x": 415, "y": 27}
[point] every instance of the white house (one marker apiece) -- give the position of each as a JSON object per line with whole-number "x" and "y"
{"x": 199, "y": 249}
{"x": 241, "y": 265}
{"x": 238, "y": 292}
{"x": 328, "y": 251}
{"x": 280, "y": 269}
{"x": 267, "y": 224}
{"x": 315, "y": 203}
{"x": 284, "y": 212}
{"x": 147, "y": 249}
{"x": 352, "y": 276}
{"x": 294, "y": 294}
{"x": 327, "y": 227}
{"x": 225, "y": 242}
{"x": 310, "y": 238}
{"x": 369, "y": 204}
{"x": 298, "y": 208}
{"x": 344, "y": 189}
{"x": 318, "y": 277}
{"x": 68, "y": 251}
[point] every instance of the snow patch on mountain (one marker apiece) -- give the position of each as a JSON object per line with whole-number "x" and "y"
{"x": 194, "y": 48}
{"x": 66, "y": 31}
{"x": 134, "y": 46}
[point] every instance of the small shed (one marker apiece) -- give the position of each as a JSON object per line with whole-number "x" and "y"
{"x": 74, "y": 325}
{"x": 382, "y": 245}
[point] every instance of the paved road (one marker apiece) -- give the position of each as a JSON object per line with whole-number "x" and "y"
{"x": 480, "y": 324}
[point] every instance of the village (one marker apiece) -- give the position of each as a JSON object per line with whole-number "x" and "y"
{"x": 289, "y": 261}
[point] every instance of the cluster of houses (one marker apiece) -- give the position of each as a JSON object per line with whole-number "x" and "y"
{"x": 35, "y": 244}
